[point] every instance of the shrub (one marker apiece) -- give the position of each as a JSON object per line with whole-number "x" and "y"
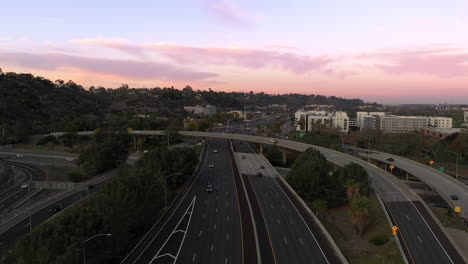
{"x": 379, "y": 240}
{"x": 75, "y": 176}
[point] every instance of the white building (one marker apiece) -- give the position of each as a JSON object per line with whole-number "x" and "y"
{"x": 440, "y": 122}
{"x": 311, "y": 120}
{"x": 361, "y": 115}
{"x": 401, "y": 124}
{"x": 465, "y": 117}
{"x": 200, "y": 110}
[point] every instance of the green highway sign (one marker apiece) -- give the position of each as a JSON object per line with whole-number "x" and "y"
{"x": 442, "y": 169}
{"x": 302, "y": 134}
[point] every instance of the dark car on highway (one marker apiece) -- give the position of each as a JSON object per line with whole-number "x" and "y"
{"x": 390, "y": 159}
{"x": 454, "y": 197}
{"x": 56, "y": 209}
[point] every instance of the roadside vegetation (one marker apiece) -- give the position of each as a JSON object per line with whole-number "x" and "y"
{"x": 126, "y": 207}
{"x": 342, "y": 199}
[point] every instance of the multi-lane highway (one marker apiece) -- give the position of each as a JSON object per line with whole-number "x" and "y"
{"x": 423, "y": 240}
{"x": 293, "y": 241}
{"x": 204, "y": 226}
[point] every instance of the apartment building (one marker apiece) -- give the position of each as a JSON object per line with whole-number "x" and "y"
{"x": 401, "y": 124}
{"x": 312, "y": 120}
{"x": 361, "y": 115}
{"x": 465, "y": 116}
{"x": 440, "y": 122}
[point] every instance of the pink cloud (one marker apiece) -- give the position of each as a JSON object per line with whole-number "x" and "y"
{"x": 249, "y": 58}
{"x": 229, "y": 12}
{"x": 134, "y": 70}
{"x": 436, "y": 61}
{"x": 112, "y": 43}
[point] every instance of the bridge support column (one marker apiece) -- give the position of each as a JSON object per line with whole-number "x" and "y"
{"x": 406, "y": 176}
{"x": 284, "y": 158}
{"x": 261, "y": 148}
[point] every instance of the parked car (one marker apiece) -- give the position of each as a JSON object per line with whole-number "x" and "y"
{"x": 209, "y": 188}
{"x": 454, "y": 197}
{"x": 390, "y": 159}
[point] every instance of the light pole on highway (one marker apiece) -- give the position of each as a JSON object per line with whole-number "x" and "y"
{"x": 84, "y": 244}
{"x": 368, "y": 150}
{"x": 456, "y": 166}
{"x": 165, "y": 186}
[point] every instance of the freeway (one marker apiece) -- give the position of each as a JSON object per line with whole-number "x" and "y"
{"x": 423, "y": 240}
{"x": 292, "y": 239}
{"x": 11, "y": 195}
{"x": 442, "y": 183}
{"x": 16, "y": 222}
{"x": 203, "y": 226}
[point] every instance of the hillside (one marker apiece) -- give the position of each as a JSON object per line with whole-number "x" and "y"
{"x": 30, "y": 104}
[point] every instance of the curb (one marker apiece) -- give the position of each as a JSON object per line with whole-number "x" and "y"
{"x": 389, "y": 221}
{"x": 319, "y": 224}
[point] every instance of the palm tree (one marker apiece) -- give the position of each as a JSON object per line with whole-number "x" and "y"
{"x": 352, "y": 189}
{"x": 360, "y": 207}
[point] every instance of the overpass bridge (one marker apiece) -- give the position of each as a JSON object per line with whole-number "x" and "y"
{"x": 424, "y": 241}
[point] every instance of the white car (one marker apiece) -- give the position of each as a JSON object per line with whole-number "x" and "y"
{"x": 19, "y": 155}
{"x": 209, "y": 188}
{"x": 215, "y": 151}
{"x": 70, "y": 159}
{"x": 24, "y": 186}
{"x": 273, "y": 141}
{"x": 211, "y": 165}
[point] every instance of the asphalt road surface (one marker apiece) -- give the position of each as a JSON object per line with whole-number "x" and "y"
{"x": 204, "y": 227}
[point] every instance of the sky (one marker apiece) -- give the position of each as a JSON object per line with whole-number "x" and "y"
{"x": 388, "y": 51}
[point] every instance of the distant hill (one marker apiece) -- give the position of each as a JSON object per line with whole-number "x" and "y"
{"x": 30, "y": 104}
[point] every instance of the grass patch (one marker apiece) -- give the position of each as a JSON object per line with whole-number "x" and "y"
{"x": 448, "y": 218}
{"x": 376, "y": 246}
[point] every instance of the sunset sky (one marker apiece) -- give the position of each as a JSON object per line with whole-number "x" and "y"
{"x": 394, "y": 51}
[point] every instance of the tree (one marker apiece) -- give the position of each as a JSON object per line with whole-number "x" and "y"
{"x": 360, "y": 208}
{"x": 319, "y": 207}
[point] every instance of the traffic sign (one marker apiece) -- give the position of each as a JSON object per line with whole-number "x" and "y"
{"x": 457, "y": 209}
{"x": 394, "y": 228}
{"x": 394, "y": 233}
{"x": 301, "y": 134}
{"x": 55, "y": 185}
{"x": 442, "y": 169}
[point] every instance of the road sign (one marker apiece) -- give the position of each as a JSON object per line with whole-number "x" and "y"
{"x": 457, "y": 209}
{"x": 442, "y": 169}
{"x": 39, "y": 146}
{"x": 431, "y": 162}
{"x": 394, "y": 228}
{"x": 301, "y": 134}
{"x": 394, "y": 232}
{"x": 392, "y": 167}
{"x": 55, "y": 185}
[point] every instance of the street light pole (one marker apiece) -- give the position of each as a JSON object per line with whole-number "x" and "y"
{"x": 456, "y": 166}
{"x": 84, "y": 244}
